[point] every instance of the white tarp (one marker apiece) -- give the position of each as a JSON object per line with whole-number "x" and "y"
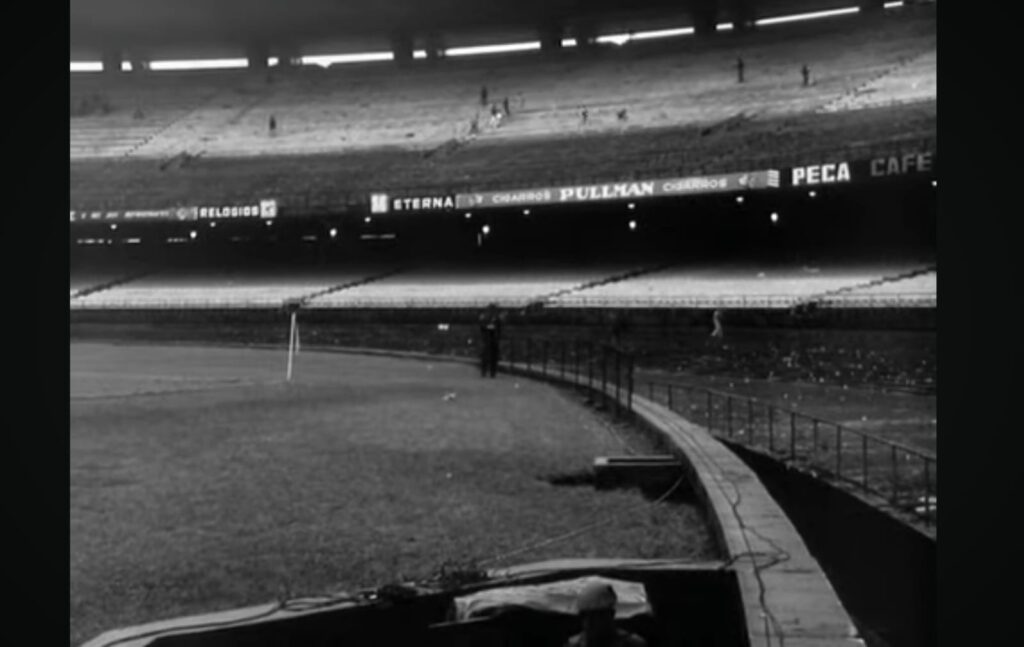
{"x": 555, "y": 597}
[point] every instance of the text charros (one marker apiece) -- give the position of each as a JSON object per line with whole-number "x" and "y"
{"x": 821, "y": 174}
{"x": 693, "y": 184}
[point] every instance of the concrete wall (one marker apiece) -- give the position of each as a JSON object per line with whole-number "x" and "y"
{"x": 884, "y": 571}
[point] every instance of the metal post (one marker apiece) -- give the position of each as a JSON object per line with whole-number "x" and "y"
{"x": 792, "y": 436}
{"x": 618, "y": 380}
{"x": 631, "y": 366}
{"x": 927, "y": 490}
{"x": 576, "y": 362}
{"x": 529, "y": 354}
{"x": 814, "y": 447}
{"x": 511, "y": 353}
{"x": 590, "y": 365}
{"x": 895, "y": 475}
{"x": 544, "y": 357}
{"x": 839, "y": 451}
{"x": 604, "y": 374}
{"x": 750, "y": 421}
{"x": 710, "y": 419}
{"x": 562, "y": 367}
{"x": 771, "y": 429}
{"x": 864, "y": 462}
{"x": 728, "y": 415}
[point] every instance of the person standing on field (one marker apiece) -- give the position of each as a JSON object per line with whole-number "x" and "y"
{"x": 490, "y": 340}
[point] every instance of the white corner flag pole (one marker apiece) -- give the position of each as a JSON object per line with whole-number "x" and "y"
{"x": 291, "y": 346}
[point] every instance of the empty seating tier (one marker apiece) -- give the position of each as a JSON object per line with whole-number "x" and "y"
{"x": 467, "y": 286}
{"x": 213, "y": 288}
{"x": 739, "y": 286}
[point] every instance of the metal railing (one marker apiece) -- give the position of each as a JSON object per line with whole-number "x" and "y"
{"x": 604, "y": 369}
{"x": 903, "y": 476}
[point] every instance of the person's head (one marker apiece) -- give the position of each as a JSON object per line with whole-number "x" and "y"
{"x": 596, "y": 608}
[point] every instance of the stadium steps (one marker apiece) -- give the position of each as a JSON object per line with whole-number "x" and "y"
{"x": 848, "y": 100}
{"x": 111, "y": 284}
{"x": 825, "y": 296}
{"x": 351, "y": 284}
{"x": 171, "y": 123}
{"x": 615, "y": 278}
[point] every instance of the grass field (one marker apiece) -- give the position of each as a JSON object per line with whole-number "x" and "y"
{"x": 201, "y": 481}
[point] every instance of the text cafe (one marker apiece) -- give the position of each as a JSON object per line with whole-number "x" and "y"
{"x": 382, "y": 203}
{"x": 902, "y": 164}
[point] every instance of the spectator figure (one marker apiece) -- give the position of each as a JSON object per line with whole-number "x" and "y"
{"x": 474, "y": 125}
{"x": 490, "y": 338}
{"x": 718, "y": 332}
{"x": 596, "y": 608}
{"x": 621, "y": 114}
{"x": 806, "y": 72}
{"x": 495, "y": 116}
{"x": 139, "y": 114}
{"x": 483, "y": 95}
{"x": 508, "y": 113}
{"x": 584, "y": 114}
{"x": 739, "y": 69}
{"x": 272, "y": 125}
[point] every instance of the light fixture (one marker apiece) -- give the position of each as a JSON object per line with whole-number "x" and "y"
{"x": 192, "y": 234}
{"x": 526, "y": 212}
{"x": 631, "y": 206}
{"x": 739, "y": 199}
{"x": 468, "y": 215}
{"x": 113, "y": 227}
{"x": 775, "y": 216}
{"x": 367, "y": 219}
{"x": 813, "y": 193}
{"x": 632, "y": 225}
{"x": 334, "y": 232}
{"x": 486, "y": 229}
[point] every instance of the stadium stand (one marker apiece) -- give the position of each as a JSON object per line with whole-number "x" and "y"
{"x": 381, "y": 127}
{"x": 312, "y": 182}
{"x": 98, "y": 273}
{"x": 138, "y": 109}
{"x": 741, "y": 286}
{"x": 226, "y": 114}
{"x": 912, "y": 80}
{"x": 919, "y": 289}
{"x": 558, "y": 285}
{"x": 461, "y": 286}
{"x": 210, "y": 288}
